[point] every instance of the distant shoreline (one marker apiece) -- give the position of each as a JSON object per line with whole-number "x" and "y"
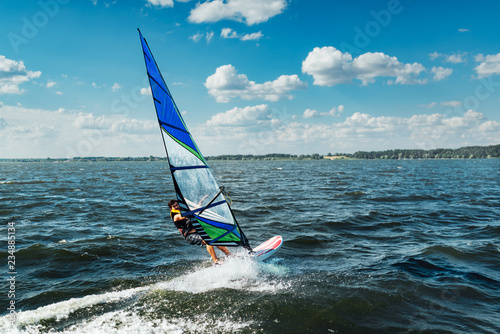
{"x": 471, "y": 152}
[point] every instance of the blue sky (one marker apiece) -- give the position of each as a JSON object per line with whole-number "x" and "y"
{"x": 250, "y": 77}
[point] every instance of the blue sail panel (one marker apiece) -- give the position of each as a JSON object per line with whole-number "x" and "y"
{"x": 166, "y": 110}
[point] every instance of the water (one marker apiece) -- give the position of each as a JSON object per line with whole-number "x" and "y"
{"x": 370, "y": 247}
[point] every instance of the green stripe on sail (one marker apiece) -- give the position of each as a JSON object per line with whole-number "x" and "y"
{"x": 197, "y": 154}
{"x": 215, "y": 232}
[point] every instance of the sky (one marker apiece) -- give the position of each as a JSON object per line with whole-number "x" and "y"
{"x": 250, "y": 77}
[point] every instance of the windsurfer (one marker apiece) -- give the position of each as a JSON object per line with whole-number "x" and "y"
{"x": 187, "y": 230}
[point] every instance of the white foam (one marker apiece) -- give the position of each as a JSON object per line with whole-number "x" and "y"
{"x": 235, "y": 273}
{"x": 61, "y": 310}
{"x": 126, "y": 321}
{"x": 239, "y": 273}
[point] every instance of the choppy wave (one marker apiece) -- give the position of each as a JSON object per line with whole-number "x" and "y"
{"x": 130, "y": 310}
{"x": 370, "y": 247}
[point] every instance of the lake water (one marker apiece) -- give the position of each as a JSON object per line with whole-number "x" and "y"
{"x": 369, "y": 247}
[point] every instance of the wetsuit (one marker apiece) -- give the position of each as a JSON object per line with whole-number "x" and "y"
{"x": 185, "y": 226}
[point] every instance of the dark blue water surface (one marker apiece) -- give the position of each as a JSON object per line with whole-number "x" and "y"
{"x": 370, "y": 247}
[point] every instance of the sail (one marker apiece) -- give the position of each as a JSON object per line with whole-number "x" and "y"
{"x": 197, "y": 191}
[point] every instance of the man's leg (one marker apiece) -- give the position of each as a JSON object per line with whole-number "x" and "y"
{"x": 224, "y": 250}
{"x": 211, "y": 251}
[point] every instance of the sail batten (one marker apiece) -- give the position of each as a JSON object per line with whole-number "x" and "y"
{"x": 173, "y": 127}
{"x": 192, "y": 178}
{"x": 173, "y": 169}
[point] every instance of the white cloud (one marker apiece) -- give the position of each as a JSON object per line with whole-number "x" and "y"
{"x": 330, "y": 66}
{"x": 357, "y": 132}
{"x": 116, "y": 87}
{"x": 88, "y": 121}
{"x": 146, "y": 91}
{"x": 197, "y": 37}
{"x": 310, "y": 113}
{"x": 209, "y": 36}
{"x": 51, "y": 84}
{"x": 61, "y": 133}
{"x": 255, "y": 129}
{"x": 161, "y": 3}
{"x": 226, "y": 84}
{"x": 451, "y": 104}
{"x": 489, "y": 65}
{"x": 441, "y": 73}
{"x": 434, "y": 55}
{"x": 229, "y": 33}
{"x": 12, "y": 74}
{"x": 335, "y": 111}
{"x": 463, "y": 30}
{"x": 252, "y": 37}
{"x": 455, "y": 58}
{"x": 258, "y": 115}
{"x": 250, "y": 12}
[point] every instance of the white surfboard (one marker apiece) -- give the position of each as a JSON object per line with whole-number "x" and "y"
{"x": 267, "y": 248}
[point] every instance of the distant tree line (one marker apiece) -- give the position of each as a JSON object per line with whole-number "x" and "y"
{"x": 470, "y": 152}
{"x": 271, "y": 156}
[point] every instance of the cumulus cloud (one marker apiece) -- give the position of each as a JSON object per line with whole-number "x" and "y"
{"x": 454, "y": 58}
{"x": 258, "y": 115}
{"x": 489, "y": 65}
{"x": 161, "y": 3}
{"x": 12, "y": 74}
{"x": 252, "y": 37}
{"x": 62, "y": 133}
{"x": 434, "y": 55}
{"x": 311, "y": 113}
{"x": 441, "y": 73}
{"x": 88, "y": 121}
{"x": 229, "y": 33}
{"x": 330, "y": 66}
{"x": 249, "y": 12}
{"x": 51, "y": 84}
{"x": 226, "y": 84}
{"x": 359, "y": 131}
{"x": 336, "y": 111}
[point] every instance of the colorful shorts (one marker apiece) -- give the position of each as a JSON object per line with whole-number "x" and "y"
{"x": 194, "y": 239}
